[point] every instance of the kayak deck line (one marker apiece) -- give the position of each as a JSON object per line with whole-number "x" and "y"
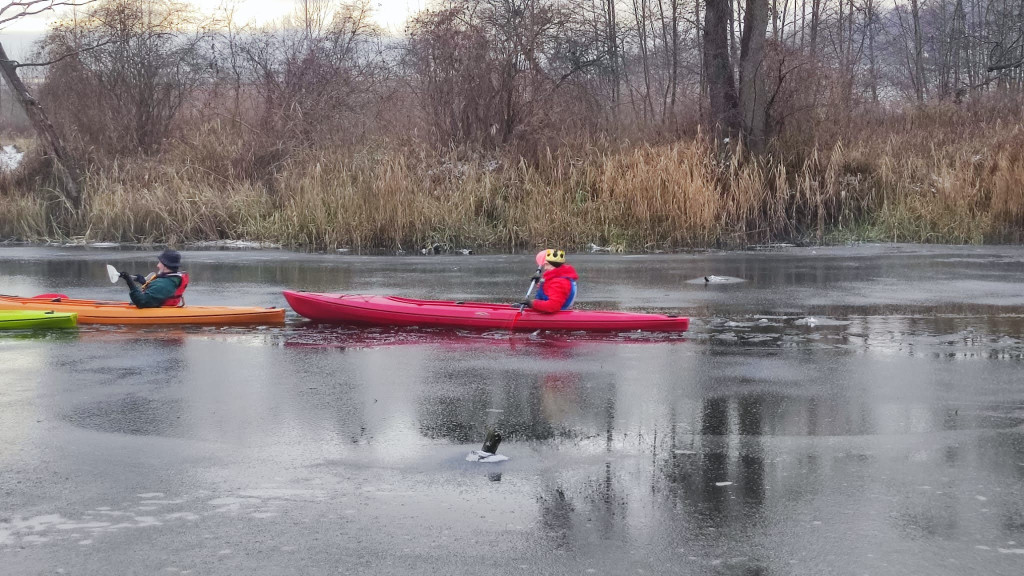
{"x": 401, "y": 311}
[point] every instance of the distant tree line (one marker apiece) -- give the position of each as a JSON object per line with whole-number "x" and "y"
{"x": 523, "y": 73}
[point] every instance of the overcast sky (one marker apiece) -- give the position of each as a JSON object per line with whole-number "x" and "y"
{"x": 391, "y": 14}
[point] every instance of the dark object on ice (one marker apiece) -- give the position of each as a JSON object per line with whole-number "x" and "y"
{"x": 489, "y": 454}
{"x": 492, "y": 441}
{"x": 714, "y": 279}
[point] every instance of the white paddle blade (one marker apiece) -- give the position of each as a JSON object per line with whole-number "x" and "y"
{"x": 112, "y": 273}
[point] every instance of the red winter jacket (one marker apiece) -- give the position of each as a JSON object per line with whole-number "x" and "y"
{"x": 556, "y": 286}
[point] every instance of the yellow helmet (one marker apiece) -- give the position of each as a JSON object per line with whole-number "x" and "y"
{"x": 555, "y": 256}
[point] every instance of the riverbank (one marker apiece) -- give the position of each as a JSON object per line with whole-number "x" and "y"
{"x": 934, "y": 176}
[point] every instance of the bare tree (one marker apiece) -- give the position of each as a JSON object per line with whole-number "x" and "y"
{"x": 753, "y": 95}
{"x": 744, "y": 112}
{"x": 150, "y": 56}
{"x": 724, "y": 103}
{"x": 17, "y": 9}
{"x": 316, "y": 70}
{"x": 55, "y": 149}
{"x": 487, "y": 69}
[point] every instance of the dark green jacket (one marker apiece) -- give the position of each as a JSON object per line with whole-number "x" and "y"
{"x": 155, "y": 293}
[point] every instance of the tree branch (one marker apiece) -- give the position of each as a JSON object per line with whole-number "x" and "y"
{"x": 24, "y": 8}
{"x": 1000, "y": 67}
{"x": 17, "y": 64}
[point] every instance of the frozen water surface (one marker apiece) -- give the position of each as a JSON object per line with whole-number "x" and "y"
{"x": 884, "y": 437}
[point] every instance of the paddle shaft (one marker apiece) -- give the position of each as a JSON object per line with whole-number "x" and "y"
{"x": 528, "y": 291}
{"x": 532, "y": 283}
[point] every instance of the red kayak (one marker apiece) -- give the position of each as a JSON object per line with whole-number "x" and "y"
{"x": 397, "y": 311}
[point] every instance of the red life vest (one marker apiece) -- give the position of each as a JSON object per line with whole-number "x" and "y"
{"x": 177, "y": 300}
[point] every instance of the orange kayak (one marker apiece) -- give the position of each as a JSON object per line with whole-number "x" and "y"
{"x": 105, "y": 312}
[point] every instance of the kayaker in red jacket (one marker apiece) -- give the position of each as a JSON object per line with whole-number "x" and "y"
{"x": 557, "y": 288}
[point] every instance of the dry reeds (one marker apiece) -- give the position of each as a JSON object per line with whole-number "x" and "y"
{"x": 957, "y": 181}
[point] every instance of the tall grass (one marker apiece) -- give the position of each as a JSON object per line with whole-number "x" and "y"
{"x": 934, "y": 175}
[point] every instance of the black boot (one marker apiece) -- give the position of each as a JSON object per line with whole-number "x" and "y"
{"x": 492, "y": 441}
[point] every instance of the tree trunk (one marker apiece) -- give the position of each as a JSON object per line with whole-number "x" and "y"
{"x": 640, "y": 17}
{"x": 753, "y": 96}
{"x": 721, "y": 86}
{"x": 872, "y": 61}
{"x": 841, "y": 48}
{"x": 675, "y": 58}
{"x": 775, "y": 19}
{"x": 815, "y": 18}
{"x": 703, "y": 81}
{"x": 733, "y": 50}
{"x": 670, "y": 43}
{"x": 803, "y": 22}
{"x": 611, "y": 35}
{"x": 65, "y": 166}
{"x": 921, "y": 86}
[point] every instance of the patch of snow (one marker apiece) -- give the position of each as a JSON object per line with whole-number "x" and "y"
{"x": 485, "y": 457}
{"x": 811, "y": 321}
{"x": 297, "y": 494}
{"x": 234, "y": 244}
{"x": 715, "y": 279}
{"x": 181, "y": 516}
{"x": 83, "y": 525}
{"x": 10, "y": 158}
{"x": 771, "y": 246}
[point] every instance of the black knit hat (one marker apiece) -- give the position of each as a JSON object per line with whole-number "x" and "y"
{"x": 170, "y": 258}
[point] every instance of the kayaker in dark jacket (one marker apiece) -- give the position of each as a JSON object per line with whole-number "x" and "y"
{"x": 165, "y": 288}
{"x": 557, "y": 288}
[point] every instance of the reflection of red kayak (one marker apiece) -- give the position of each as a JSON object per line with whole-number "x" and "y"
{"x": 548, "y": 344}
{"x": 396, "y": 311}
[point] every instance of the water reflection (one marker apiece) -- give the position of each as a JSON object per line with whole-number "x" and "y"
{"x": 523, "y": 405}
{"x": 742, "y": 447}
